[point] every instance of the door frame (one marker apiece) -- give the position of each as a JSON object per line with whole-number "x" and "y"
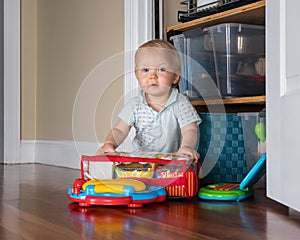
{"x": 11, "y": 88}
{"x": 138, "y": 28}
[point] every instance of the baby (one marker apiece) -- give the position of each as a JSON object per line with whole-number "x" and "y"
{"x": 164, "y": 120}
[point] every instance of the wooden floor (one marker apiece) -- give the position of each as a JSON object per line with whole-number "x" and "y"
{"x": 34, "y": 205}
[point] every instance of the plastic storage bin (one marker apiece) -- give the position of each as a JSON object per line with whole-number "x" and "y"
{"x": 239, "y": 55}
{"x": 198, "y": 66}
{"x": 229, "y": 145}
{"x": 179, "y": 43}
{"x": 254, "y": 134}
{"x": 222, "y": 60}
{"x": 221, "y": 148}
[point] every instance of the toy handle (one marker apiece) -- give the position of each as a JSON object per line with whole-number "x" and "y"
{"x": 114, "y": 188}
{"x": 120, "y": 158}
{"x": 196, "y": 181}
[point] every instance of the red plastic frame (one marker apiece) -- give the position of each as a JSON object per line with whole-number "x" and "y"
{"x": 167, "y": 182}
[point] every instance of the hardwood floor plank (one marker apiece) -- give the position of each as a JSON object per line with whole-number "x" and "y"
{"x": 6, "y": 234}
{"x": 30, "y": 226}
{"x": 34, "y": 205}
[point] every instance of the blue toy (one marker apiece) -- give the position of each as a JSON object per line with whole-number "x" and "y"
{"x": 129, "y": 192}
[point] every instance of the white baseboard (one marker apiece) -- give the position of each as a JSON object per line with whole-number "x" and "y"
{"x": 27, "y": 151}
{"x": 57, "y": 153}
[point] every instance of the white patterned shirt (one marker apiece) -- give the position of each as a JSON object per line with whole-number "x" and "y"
{"x": 159, "y": 131}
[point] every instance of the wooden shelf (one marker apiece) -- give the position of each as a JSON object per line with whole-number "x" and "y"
{"x": 253, "y": 13}
{"x": 227, "y": 101}
{"x": 236, "y": 104}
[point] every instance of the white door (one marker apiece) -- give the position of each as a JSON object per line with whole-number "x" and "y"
{"x": 283, "y": 101}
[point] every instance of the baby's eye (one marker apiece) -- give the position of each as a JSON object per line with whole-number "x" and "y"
{"x": 145, "y": 70}
{"x": 161, "y": 69}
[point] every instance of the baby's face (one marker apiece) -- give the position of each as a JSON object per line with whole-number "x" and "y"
{"x": 156, "y": 71}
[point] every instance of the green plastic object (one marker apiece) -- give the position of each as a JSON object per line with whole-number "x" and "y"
{"x": 260, "y": 131}
{"x": 216, "y": 192}
{"x": 235, "y": 191}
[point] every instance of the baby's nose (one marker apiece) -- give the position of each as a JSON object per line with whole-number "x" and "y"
{"x": 153, "y": 72}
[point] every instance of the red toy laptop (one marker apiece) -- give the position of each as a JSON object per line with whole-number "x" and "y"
{"x": 138, "y": 179}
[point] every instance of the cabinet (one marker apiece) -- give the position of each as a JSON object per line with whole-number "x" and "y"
{"x": 253, "y": 13}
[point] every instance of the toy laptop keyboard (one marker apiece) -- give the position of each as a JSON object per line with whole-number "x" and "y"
{"x": 235, "y": 191}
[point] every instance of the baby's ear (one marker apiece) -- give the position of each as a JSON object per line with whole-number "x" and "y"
{"x": 135, "y": 72}
{"x": 176, "y": 79}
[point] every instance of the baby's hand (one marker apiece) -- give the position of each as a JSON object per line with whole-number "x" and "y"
{"x": 106, "y": 148}
{"x": 189, "y": 151}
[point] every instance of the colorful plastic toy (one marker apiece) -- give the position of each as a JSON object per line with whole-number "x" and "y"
{"x": 235, "y": 191}
{"x": 176, "y": 173}
{"x": 133, "y": 193}
{"x": 140, "y": 179}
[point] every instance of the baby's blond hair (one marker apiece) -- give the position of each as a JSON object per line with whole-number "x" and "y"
{"x": 158, "y": 43}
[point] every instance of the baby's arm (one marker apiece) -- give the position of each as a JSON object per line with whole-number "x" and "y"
{"x": 189, "y": 141}
{"x": 115, "y": 137}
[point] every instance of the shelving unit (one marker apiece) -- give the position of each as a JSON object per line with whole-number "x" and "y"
{"x": 253, "y": 13}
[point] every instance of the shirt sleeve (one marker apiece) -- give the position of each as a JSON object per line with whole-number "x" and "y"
{"x": 127, "y": 113}
{"x": 186, "y": 113}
